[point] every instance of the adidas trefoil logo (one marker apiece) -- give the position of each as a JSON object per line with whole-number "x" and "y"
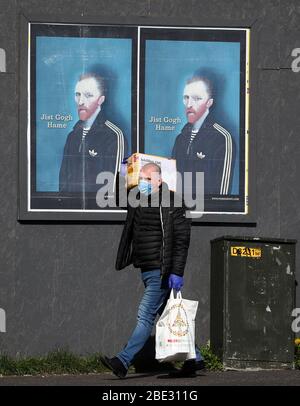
{"x": 92, "y": 152}
{"x": 200, "y": 155}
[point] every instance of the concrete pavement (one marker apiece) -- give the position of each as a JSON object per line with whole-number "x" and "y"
{"x": 227, "y": 378}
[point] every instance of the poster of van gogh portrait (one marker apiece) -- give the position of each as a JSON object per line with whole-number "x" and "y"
{"x": 82, "y": 112}
{"x": 98, "y": 93}
{"x": 194, "y": 108}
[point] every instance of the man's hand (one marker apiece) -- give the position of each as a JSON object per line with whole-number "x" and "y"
{"x": 175, "y": 282}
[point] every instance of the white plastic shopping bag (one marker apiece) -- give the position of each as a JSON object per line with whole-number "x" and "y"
{"x": 175, "y": 330}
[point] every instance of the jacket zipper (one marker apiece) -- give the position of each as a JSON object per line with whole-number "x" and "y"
{"x": 163, "y": 236}
{"x": 82, "y": 144}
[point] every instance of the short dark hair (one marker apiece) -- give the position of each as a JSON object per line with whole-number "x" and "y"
{"x": 206, "y": 81}
{"x": 99, "y": 79}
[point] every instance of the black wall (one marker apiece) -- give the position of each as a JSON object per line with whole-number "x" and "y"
{"x": 57, "y": 281}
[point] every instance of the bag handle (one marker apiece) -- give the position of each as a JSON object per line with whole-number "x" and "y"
{"x": 178, "y": 294}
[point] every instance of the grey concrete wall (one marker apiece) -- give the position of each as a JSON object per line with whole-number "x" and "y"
{"x": 57, "y": 281}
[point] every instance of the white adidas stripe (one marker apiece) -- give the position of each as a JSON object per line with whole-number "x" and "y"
{"x": 120, "y": 152}
{"x": 227, "y": 159}
{"x": 226, "y": 186}
{"x": 121, "y": 136}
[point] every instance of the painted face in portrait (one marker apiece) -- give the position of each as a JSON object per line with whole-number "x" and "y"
{"x": 196, "y": 100}
{"x": 87, "y": 97}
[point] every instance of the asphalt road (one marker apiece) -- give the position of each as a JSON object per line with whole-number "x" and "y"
{"x": 228, "y": 378}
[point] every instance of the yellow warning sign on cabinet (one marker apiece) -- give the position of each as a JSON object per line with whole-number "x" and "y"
{"x": 245, "y": 252}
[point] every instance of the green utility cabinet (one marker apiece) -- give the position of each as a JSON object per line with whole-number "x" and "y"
{"x": 252, "y": 298}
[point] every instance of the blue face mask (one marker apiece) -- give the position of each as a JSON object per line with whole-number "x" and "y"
{"x": 145, "y": 187}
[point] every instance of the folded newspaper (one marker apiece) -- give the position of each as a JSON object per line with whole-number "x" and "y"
{"x": 137, "y": 160}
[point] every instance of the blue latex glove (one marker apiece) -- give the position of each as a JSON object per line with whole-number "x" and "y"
{"x": 175, "y": 282}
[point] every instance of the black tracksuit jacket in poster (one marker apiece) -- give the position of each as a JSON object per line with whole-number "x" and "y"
{"x": 84, "y": 157}
{"x": 212, "y": 151}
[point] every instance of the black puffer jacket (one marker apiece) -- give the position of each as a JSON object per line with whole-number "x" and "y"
{"x": 174, "y": 242}
{"x": 147, "y": 238}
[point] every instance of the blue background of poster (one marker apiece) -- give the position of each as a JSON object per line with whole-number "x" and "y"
{"x": 59, "y": 63}
{"x": 168, "y": 65}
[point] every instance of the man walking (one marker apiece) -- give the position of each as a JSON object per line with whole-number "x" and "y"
{"x": 156, "y": 239}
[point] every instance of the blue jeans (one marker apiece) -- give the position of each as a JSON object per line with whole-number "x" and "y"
{"x": 153, "y": 302}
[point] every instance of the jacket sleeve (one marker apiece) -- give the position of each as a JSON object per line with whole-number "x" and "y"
{"x": 181, "y": 240}
{"x": 124, "y": 255}
{"x": 222, "y": 172}
{"x": 175, "y": 147}
{"x": 63, "y": 173}
{"x": 120, "y": 188}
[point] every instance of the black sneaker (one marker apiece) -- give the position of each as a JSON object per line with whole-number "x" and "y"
{"x": 115, "y": 365}
{"x": 188, "y": 370}
{"x": 200, "y": 365}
